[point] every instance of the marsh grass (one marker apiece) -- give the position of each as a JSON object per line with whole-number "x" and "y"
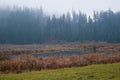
{"x": 25, "y": 63}
{"x": 92, "y": 72}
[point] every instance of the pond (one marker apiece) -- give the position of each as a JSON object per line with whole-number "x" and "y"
{"x": 60, "y": 53}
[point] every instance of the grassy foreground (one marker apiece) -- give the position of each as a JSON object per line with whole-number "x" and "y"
{"x": 93, "y": 72}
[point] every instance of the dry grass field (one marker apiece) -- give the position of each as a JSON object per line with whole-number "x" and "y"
{"x": 19, "y": 58}
{"x": 92, "y": 72}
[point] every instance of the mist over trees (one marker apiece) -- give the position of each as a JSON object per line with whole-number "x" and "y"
{"x": 26, "y": 26}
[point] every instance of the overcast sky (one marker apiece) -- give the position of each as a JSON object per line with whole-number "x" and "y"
{"x": 63, "y": 6}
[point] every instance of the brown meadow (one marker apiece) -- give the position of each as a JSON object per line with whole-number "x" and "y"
{"x": 29, "y": 63}
{"x": 99, "y": 53}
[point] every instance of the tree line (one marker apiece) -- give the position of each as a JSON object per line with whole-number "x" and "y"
{"x": 28, "y": 26}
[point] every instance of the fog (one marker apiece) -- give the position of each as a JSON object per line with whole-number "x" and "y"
{"x": 63, "y": 6}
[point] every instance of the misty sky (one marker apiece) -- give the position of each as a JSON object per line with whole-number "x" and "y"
{"x": 63, "y": 6}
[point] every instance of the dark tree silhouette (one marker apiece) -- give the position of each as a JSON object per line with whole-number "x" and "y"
{"x": 26, "y": 26}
